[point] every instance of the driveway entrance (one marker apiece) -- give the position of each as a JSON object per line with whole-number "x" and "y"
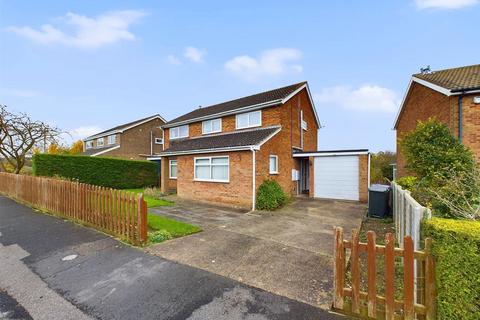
{"x": 288, "y": 252}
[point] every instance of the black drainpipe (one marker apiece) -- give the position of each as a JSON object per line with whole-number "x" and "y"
{"x": 460, "y": 116}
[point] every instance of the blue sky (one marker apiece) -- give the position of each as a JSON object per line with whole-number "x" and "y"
{"x": 90, "y": 65}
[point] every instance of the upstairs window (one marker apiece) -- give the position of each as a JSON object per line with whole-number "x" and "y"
{"x": 179, "y": 132}
{"x": 100, "y": 142}
{"x": 112, "y": 139}
{"x": 249, "y": 119}
{"x": 212, "y": 126}
{"x": 89, "y": 144}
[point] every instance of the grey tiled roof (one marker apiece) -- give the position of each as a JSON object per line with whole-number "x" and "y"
{"x": 242, "y": 138}
{"x": 455, "y": 79}
{"x": 123, "y": 126}
{"x": 264, "y": 97}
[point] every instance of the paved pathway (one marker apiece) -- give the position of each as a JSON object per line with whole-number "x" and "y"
{"x": 287, "y": 252}
{"x": 109, "y": 280}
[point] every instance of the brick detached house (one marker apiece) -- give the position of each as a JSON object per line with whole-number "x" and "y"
{"x": 134, "y": 140}
{"x": 222, "y": 153}
{"x": 451, "y": 96}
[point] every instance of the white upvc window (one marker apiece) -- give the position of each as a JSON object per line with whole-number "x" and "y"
{"x": 89, "y": 144}
{"x": 179, "y": 132}
{"x": 273, "y": 164}
{"x": 214, "y": 169}
{"x": 158, "y": 141}
{"x": 249, "y": 119}
{"x": 112, "y": 139}
{"x": 100, "y": 142}
{"x": 173, "y": 169}
{"x": 304, "y": 123}
{"x": 212, "y": 126}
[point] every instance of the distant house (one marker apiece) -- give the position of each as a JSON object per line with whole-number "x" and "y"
{"x": 222, "y": 153}
{"x": 452, "y": 96}
{"x": 134, "y": 140}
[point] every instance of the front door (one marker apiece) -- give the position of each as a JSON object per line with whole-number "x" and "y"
{"x": 304, "y": 176}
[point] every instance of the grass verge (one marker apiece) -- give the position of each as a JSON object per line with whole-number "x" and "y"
{"x": 151, "y": 202}
{"x": 163, "y": 228}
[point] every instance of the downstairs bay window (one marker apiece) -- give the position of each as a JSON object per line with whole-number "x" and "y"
{"x": 214, "y": 169}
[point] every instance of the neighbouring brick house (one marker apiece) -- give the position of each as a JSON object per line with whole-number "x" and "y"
{"x": 451, "y": 96}
{"x": 222, "y": 153}
{"x": 134, "y": 140}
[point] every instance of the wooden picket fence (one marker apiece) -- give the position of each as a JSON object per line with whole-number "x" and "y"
{"x": 369, "y": 304}
{"x": 119, "y": 213}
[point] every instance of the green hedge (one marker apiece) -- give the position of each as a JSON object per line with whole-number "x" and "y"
{"x": 456, "y": 246}
{"x": 107, "y": 172}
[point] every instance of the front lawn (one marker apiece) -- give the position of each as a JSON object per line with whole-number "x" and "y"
{"x": 151, "y": 202}
{"x": 162, "y": 228}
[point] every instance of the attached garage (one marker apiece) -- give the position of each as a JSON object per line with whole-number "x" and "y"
{"x": 340, "y": 174}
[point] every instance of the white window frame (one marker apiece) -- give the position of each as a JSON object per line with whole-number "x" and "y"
{"x": 210, "y": 123}
{"x": 173, "y": 129}
{"x": 114, "y": 139}
{"x": 158, "y": 140}
{"x": 89, "y": 144}
{"x": 249, "y": 125}
{"x": 211, "y": 165}
{"x": 273, "y": 156}
{"x": 170, "y": 164}
{"x": 103, "y": 142}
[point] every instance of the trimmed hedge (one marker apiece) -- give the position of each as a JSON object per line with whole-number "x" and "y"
{"x": 270, "y": 196}
{"x": 107, "y": 172}
{"x": 456, "y": 246}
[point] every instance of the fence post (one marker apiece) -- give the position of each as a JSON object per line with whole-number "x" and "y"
{"x": 142, "y": 219}
{"x": 408, "y": 278}
{"x": 355, "y": 265}
{"x": 371, "y": 275}
{"x": 338, "y": 268}
{"x": 389, "y": 276}
{"x": 430, "y": 288}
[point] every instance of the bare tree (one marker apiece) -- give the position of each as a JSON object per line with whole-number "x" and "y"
{"x": 19, "y": 135}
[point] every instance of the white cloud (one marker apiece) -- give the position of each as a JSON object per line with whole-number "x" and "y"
{"x": 364, "y": 98}
{"x": 172, "y": 59}
{"x": 20, "y": 93}
{"x": 87, "y": 32}
{"x": 83, "y": 132}
{"x": 444, "y": 4}
{"x": 271, "y": 62}
{"x": 194, "y": 54}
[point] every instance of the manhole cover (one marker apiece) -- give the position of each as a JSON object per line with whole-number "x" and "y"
{"x": 69, "y": 257}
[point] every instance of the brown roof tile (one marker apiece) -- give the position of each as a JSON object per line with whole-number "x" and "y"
{"x": 264, "y": 97}
{"x": 455, "y": 79}
{"x": 242, "y": 138}
{"x": 123, "y": 126}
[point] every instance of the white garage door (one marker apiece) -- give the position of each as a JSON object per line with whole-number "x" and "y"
{"x": 336, "y": 177}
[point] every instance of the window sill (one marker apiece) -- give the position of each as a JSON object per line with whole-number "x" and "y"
{"x": 274, "y": 173}
{"x": 215, "y": 181}
{"x": 172, "y": 178}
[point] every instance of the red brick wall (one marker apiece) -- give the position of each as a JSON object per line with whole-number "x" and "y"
{"x": 470, "y": 121}
{"x": 237, "y": 192}
{"x": 421, "y": 103}
{"x": 363, "y": 177}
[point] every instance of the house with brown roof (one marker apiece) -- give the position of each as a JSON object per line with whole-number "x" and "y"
{"x": 134, "y": 140}
{"x": 451, "y": 96}
{"x": 222, "y": 153}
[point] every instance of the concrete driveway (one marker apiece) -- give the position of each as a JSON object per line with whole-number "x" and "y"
{"x": 288, "y": 252}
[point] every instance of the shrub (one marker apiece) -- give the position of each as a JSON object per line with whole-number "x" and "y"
{"x": 159, "y": 236}
{"x": 107, "y": 172}
{"x": 456, "y": 247}
{"x": 407, "y": 183}
{"x": 270, "y": 196}
{"x": 438, "y": 159}
{"x": 381, "y": 170}
{"x": 154, "y": 193}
